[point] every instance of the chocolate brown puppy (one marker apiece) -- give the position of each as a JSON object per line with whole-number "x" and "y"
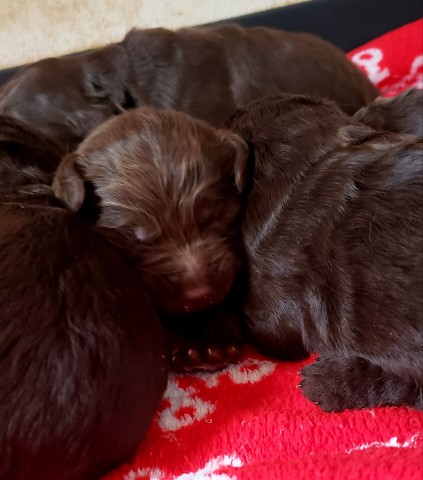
{"x": 333, "y": 236}
{"x": 169, "y": 195}
{"x": 209, "y": 72}
{"x": 82, "y": 354}
{"x": 65, "y": 98}
{"x": 206, "y": 72}
{"x": 401, "y": 114}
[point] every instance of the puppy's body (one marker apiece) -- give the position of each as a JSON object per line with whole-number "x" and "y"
{"x": 211, "y": 72}
{"x": 205, "y": 72}
{"x": 82, "y": 355}
{"x": 333, "y": 236}
{"x": 168, "y": 189}
{"x": 401, "y": 114}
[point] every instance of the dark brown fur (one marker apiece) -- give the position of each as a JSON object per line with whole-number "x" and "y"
{"x": 333, "y": 235}
{"x": 400, "y": 114}
{"x": 82, "y": 355}
{"x": 26, "y": 157}
{"x": 168, "y": 188}
{"x": 206, "y": 72}
{"x": 65, "y": 98}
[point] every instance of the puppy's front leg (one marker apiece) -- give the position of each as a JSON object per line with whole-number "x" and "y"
{"x": 207, "y": 340}
{"x": 337, "y": 383}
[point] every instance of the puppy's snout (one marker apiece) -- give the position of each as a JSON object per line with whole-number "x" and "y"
{"x": 194, "y": 277}
{"x": 197, "y": 293}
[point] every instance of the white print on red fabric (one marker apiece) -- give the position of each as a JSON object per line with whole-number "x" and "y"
{"x": 413, "y": 80}
{"x": 208, "y": 472}
{"x": 392, "y": 443}
{"x": 144, "y": 474}
{"x": 370, "y": 59}
{"x": 185, "y": 406}
{"x": 250, "y": 370}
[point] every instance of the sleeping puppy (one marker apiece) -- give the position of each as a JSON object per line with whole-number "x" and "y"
{"x": 168, "y": 191}
{"x": 64, "y": 98}
{"x": 209, "y": 72}
{"x": 82, "y": 354}
{"x": 333, "y": 236}
{"x": 206, "y": 72}
{"x": 401, "y": 114}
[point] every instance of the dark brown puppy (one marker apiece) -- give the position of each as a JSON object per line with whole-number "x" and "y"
{"x": 168, "y": 188}
{"x": 206, "y": 72}
{"x": 210, "y": 72}
{"x": 65, "y": 98}
{"x": 82, "y": 354}
{"x": 401, "y": 114}
{"x": 333, "y": 235}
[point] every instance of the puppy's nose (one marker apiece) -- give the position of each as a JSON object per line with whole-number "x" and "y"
{"x": 197, "y": 293}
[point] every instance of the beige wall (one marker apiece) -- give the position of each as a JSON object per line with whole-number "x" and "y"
{"x": 33, "y": 29}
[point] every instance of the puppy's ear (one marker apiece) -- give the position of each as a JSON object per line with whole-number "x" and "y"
{"x": 240, "y": 152}
{"x": 68, "y": 184}
{"x": 106, "y": 77}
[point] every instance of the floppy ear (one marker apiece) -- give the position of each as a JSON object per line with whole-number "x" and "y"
{"x": 106, "y": 77}
{"x": 240, "y": 152}
{"x": 68, "y": 184}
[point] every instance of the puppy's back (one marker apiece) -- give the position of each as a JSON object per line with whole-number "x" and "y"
{"x": 400, "y": 114}
{"x": 236, "y": 65}
{"x": 82, "y": 364}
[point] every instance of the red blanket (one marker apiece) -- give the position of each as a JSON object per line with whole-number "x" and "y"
{"x": 250, "y": 422}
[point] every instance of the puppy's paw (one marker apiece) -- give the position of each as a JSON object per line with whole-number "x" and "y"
{"x": 336, "y": 383}
{"x": 319, "y": 387}
{"x": 205, "y": 357}
{"x": 208, "y": 340}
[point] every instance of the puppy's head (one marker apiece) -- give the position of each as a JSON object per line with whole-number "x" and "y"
{"x": 291, "y": 128}
{"x": 65, "y": 98}
{"x": 171, "y": 186}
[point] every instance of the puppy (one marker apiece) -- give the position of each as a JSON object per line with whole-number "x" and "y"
{"x": 82, "y": 354}
{"x": 333, "y": 236}
{"x": 205, "y": 72}
{"x": 401, "y": 114}
{"x": 169, "y": 195}
{"x": 210, "y": 72}
{"x": 65, "y": 98}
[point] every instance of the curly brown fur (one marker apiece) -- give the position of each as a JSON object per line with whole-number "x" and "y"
{"x": 82, "y": 354}
{"x": 170, "y": 186}
{"x": 206, "y": 72}
{"x": 333, "y": 236}
{"x": 400, "y": 114}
